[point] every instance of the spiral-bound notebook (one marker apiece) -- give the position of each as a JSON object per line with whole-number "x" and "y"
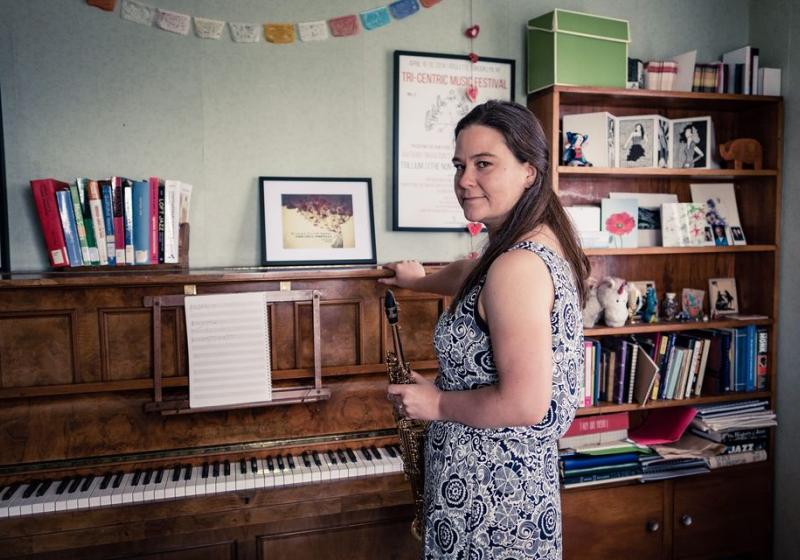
{"x": 229, "y": 358}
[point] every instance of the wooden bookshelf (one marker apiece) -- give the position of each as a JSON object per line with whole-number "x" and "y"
{"x": 652, "y": 517}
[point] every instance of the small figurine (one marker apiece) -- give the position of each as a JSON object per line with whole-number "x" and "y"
{"x": 669, "y": 307}
{"x": 650, "y": 313}
{"x": 682, "y": 315}
{"x": 592, "y": 308}
{"x": 573, "y": 151}
{"x": 635, "y": 303}
{"x": 743, "y": 150}
{"x": 612, "y": 293}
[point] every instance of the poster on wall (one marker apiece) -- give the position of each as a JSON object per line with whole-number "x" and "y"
{"x": 431, "y": 94}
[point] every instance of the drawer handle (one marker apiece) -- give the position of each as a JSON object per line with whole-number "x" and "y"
{"x": 653, "y": 526}
{"x": 686, "y": 520}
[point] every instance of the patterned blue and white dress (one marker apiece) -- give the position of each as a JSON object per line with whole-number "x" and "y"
{"x": 494, "y": 493}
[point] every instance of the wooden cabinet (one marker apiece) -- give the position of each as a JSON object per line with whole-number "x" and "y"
{"x": 725, "y": 514}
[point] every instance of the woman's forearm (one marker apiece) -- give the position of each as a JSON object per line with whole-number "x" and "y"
{"x": 488, "y": 407}
{"x": 446, "y": 281}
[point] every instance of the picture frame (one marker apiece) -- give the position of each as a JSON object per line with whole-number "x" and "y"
{"x": 691, "y": 142}
{"x": 307, "y": 221}
{"x": 643, "y": 141}
{"x": 722, "y": 297}
{"x": 432, "y": 92}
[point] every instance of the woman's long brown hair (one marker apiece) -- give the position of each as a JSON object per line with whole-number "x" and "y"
{"x": 538, "y": 206}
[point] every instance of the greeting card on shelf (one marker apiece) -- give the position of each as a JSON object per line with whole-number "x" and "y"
{"x": 649, "y": 215}
{"x": 590, "y": 139}
{"x": 722, "y": 213}
{"x": 619, "y": 217}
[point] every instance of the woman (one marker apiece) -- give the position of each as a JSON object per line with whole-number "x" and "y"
{"x": 690, "y": 151}
{"x": 510, "y": 350}
{"x": 636, "y": 142}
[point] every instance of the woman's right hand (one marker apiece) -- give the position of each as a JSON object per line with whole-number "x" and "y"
{"x": 406, "y": 274}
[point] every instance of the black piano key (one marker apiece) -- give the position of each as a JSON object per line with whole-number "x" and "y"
{"x": 204, "y": 474}
{"x": 290, "y": 460}
{"x": 342, "y": 456}
{"x": 31, "y": 489}
{"x": 73, "y": 487}
{"x": 332, "y": 457}
{"x": 281, "y": 466}
{"x": 87, "y": 482}
{"x": 148, "y": 476}
{"x": 367, "y": 455}
{"x": 215, "y": 470}
{"x": 375, "y": 452}
{"x": 44, "y": 487}
{"x": 106, "y": 481}
{"x": 390, "y": 450}
{"x": 159, "y": 475}
{"x": 187, "y": 472}
{"x": 315, "y": 456}
{"x": 253, "y": 465}
{"x": 62, "y": 486}
{"x": 270, "y": 464}
{"x": 137, "y": 476}
{"x": 10, "y": 491}
{"x": 118, "y": 479}
{"x": 242, "y": 466}
{"x": 351, "y": 455}
{"x": 176, "y": 472}
{"x": 306, "y": 460}
{"x": 227, "y": 469}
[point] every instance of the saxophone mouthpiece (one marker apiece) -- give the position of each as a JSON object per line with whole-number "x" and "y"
{"x": 390, "y": 305}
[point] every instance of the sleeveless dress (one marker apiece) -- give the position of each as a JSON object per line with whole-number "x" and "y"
{"x": 494, "y": 493}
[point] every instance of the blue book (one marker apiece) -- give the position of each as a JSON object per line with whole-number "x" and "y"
{"x": 750, "y": 358}
{"x": 585, "y": 461}
{"x": 68, "y": 224}
{"x": 740, "y": 346}
{"x": 141, "y": 222}
{"x": 107, "y": 198}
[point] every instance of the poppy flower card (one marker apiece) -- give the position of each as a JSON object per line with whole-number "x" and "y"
{"x": 619, "y": 219}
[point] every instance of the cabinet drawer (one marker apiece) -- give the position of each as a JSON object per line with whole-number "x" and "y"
{"x": 724, "y": 514}
{"x": 620, "y": 522}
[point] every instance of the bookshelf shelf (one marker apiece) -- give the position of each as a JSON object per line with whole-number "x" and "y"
{"x": 608, "y": 408}
{"x": 677, "y": 173}
{"x": 672, "y": 327}
{"x": 681, "y": 250}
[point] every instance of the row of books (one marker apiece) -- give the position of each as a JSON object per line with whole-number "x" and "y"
{"x": 674, "y": 366}
{"x": 740, "y": 72}
{"x": 113, "y": 221}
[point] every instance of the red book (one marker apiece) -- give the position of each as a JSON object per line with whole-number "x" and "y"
{"x": 44, "y": 194}
{"x": 154, "y": 181}
{"x": 585, "y": 425}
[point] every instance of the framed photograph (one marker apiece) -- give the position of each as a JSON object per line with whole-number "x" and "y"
{"x": 643, "y": 141}
{"x": 692, "y": 303}
{"x": 431, "y": 94}
{"x": 722, "y": 299}
{"x": 691, "y": 143}
{"x": 316, "y": 221}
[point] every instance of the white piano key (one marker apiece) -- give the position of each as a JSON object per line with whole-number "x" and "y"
{"x": 84, "y": 497}
{"x": 15, "y": 502}
{"x": 101, "y": 496}
{"x": 193, "y": 486}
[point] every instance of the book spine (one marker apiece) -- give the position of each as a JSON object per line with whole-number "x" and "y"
{"x": 141, "y": 222}
{"x": 119, "y": 219}
{"x": 171, "y": 228}
{"x": 750, "y": 358}
{"x": 107, "y": 198}
{"x": 44, "y": 195}
{"x": 720, "y": 461}
{"x": 161, "y": 221}
{"x": 91, "y": 241}
{"x": 79, "y": 223}
{"x": 746, "y": 446}
{"x": 762, "y": 347}
{"x": 98, "y": 223}
{"x": 583, "y": 425}
{"x": 154, "y": 220}
{"x": 587, "y": 372}
{"x": 69, "y": 227}
{"x": 633, "y": 350}
{"x": 127, "y": 212}
{"x": 619, "y": 390}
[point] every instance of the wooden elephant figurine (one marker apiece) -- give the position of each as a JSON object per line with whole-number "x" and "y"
{"x": 742, "y": 150}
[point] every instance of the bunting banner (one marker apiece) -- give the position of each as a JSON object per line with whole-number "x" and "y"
{"x": 142, "y": 13}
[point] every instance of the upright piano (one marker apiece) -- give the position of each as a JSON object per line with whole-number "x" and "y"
{"x": 90, "y": 469}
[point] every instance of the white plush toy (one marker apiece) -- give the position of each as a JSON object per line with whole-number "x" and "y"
{"x": 591, "y": 308}
{"x": 612, "y": 293}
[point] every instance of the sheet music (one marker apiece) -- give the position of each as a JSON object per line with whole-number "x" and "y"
{"x": 228, "y": 339}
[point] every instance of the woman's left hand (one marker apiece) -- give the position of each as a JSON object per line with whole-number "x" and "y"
{"x": 419, "y": 400}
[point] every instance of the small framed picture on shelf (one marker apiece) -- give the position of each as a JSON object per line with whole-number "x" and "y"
{"x": 316, "y": 221}
{"x": 692, "y": 303}
{"x": 691, "y": 143}
{"x": 722, "y": 299}
{"x": 737, "y": 235}
{"x": 638, "y": 301}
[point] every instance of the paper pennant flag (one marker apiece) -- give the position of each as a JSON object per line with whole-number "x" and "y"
{"x": 373, "y": 19}
{"x": 403, "y": 8}
{"x": 173, "y": 22}
{"x": 245, "y": 32}
{"x": 208, "y": 28}
{"x": 474, "y": 228}
{"x": 138, "y": 12}
{"x": 279, "y": 33}
{"x": 343, "y": 26}
{"x": 107, "y": 5}
{"x": 429, "y": 3}
{"x": 313, "y": 31}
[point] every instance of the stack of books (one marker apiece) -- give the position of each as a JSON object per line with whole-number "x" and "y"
{"x": 655, "y": 467}
{"x": 111, "y": 222}
{"x": 742, "y": 427}
{"x": 585, "y": 469}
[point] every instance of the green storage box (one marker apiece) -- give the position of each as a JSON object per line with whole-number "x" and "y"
{"x": 576, "y": 49}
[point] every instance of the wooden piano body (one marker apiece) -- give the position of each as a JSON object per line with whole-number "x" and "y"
{"x": 76, "y": 355}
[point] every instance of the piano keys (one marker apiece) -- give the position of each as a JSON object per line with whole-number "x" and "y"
{"x": 186, "y": 480}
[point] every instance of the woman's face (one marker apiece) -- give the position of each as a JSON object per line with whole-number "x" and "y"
{"x": 639, "y": 129}
{"x": 489, "y": 180}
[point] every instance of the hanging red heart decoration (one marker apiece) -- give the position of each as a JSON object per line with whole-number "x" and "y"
{"x": 472, "y": 31}
{"x": 474, "y": 228}
{"x": 473, "y": 58}
{"x": 472, "y": 93}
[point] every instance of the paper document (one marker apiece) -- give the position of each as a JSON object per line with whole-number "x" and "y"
{"x": 229, "y": 359}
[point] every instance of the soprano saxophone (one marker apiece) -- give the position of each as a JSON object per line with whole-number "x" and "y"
{"x": 412, "y": 432}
